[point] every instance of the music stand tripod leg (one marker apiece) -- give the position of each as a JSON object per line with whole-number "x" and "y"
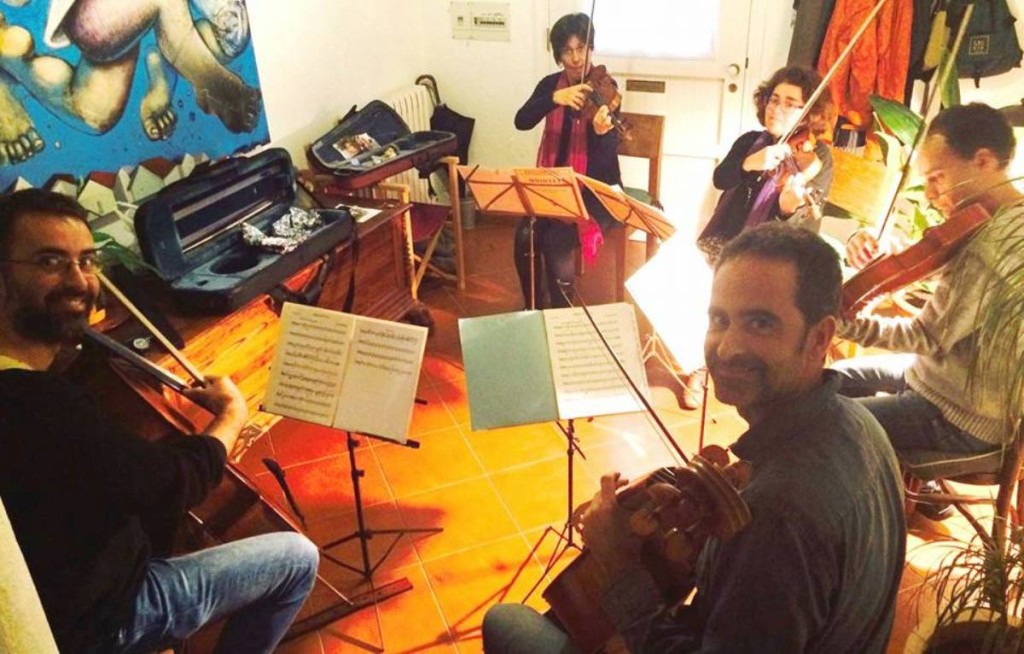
{"x": 533, "y": 263}
{"x": 565, "y": 536}
{"x": 362, "y": 532}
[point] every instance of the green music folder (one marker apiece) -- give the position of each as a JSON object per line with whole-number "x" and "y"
{"x": 538, "y": 366}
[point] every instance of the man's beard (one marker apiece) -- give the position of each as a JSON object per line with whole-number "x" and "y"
{"x": 51, "y": 325}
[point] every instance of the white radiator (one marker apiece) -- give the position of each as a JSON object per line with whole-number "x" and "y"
{"x": 415, "y": 105}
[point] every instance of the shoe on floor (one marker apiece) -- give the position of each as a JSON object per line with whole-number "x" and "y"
{"x": 933, "y": 511}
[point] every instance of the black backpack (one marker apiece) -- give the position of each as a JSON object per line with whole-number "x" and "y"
{"x": 990, "y": 45}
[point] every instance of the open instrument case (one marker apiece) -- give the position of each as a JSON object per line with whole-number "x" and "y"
{"x": 191, "y": 232}
{"x": 374, "y": 143}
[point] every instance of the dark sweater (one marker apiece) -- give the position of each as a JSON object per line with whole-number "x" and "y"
{"x": 77, "y": 489}
{"x": 602, "y": 151}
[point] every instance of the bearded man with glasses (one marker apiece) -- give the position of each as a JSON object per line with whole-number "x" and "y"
{"x": 78, "y": 487}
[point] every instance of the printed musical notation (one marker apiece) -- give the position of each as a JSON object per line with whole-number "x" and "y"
{"x": 587, "y": 380}
{"x": 345, "y": 371}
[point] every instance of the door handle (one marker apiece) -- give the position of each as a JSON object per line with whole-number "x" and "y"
{"x": 734, "y": 70}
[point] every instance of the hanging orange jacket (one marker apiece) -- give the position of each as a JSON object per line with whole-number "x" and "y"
{"x": 879, "y": 61}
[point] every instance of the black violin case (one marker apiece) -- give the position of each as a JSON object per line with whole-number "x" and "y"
{"x": 394, "y": 148}
{"x": 190, "y": 232}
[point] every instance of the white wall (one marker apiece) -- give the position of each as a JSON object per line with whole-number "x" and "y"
{"x": 317, "y": 58}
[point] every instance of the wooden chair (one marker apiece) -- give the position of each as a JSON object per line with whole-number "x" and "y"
{"x": 646, "y": 135}
{"x": 1001, "y": 468}
{"x": 424, "y": 224}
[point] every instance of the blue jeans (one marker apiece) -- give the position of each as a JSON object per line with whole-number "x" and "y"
{"x": 261, "y": 582}
{"x": 912, "y": 422}
{"x": 518, "y": 629}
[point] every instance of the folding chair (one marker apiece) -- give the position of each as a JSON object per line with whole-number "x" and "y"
{"x": 424, "y": 225}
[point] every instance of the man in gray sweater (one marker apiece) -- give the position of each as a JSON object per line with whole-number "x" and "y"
{"x": 947, "y": 389}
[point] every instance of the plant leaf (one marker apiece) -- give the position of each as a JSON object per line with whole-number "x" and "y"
{"x": 898, "y": 119}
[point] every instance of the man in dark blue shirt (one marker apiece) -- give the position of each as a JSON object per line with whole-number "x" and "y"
{"x": 818, "y": 567}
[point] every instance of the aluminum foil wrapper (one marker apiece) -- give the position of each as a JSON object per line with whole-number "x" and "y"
{"x": 288, "y": 231}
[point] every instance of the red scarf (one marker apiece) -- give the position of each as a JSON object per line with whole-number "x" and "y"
{"x": 547, "y": 156}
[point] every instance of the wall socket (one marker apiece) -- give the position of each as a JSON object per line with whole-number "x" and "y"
{"x": 481, "y": 21}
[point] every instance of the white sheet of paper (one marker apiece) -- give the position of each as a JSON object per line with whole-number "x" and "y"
{"x": 380, "y": 383}
{"x": 309, "y": 363}
{"x": 587, "y": 380}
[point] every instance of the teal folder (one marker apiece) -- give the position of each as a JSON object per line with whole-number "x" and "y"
{"x": 508, "y": 370}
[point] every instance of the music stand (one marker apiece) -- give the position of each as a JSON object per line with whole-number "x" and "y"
{"x": 531, "y": 192}
{"x": 564, "y": 536}
{"x": 363, "y": 533}
{"x": 629, "y": 211}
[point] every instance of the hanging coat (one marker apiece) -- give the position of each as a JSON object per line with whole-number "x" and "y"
{"x": 879, "y": 61}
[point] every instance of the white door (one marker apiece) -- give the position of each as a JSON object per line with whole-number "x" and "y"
{"x": 686, "y": 60}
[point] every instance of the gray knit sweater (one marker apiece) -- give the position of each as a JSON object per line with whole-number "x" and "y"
{"x": 944, "y": 336}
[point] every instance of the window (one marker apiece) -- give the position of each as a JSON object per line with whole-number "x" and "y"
{"x": 656, "y": 29}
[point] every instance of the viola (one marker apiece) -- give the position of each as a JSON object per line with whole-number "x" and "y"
{"x": 892, "y": 272}
{"x": 803, "y": 161}
{"x": 604, "y": 92}
{"x": 706, "y": 504}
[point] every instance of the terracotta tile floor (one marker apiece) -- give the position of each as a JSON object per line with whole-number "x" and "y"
{"x": 495, "y": 493}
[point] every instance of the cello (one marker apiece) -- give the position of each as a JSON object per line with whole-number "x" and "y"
{"x": 147, "y": 400}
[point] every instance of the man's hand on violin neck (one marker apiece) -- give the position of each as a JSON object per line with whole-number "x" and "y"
{"x": 573, "y": 96}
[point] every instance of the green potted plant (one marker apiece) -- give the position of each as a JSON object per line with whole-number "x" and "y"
{"x": 980, "y": 585}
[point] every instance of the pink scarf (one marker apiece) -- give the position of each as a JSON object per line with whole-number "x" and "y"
{"x": 588, "y": 231}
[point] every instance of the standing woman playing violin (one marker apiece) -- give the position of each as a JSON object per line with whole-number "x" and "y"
{"x": 590, "y": 147}
{"x": 935, "y": 403}
{"x": 763, "y": 179}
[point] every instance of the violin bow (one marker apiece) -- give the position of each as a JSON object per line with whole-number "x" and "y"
{"x": 809, "y": 104}
{"x": 940, "y": 78}
{"x": 586, "y": 42}
{"x": 174, "y": 352}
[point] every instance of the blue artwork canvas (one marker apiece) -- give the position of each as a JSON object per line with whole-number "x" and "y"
{"x": 94, "y": 85}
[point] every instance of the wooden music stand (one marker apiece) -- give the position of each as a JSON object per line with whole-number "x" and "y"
{"x": 531, "y": 192}
{"x": 629, "y": 211}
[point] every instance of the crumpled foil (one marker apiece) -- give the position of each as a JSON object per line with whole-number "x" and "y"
{"x": 287, "y": 232}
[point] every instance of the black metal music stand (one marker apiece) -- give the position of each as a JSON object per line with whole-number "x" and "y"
{"x": 362, "y": 532}
{"x": 566, "y": 535}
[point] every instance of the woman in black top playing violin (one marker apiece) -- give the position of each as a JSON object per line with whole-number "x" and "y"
{"x": 589, "y": 147}
{"x": 763, "y": 179}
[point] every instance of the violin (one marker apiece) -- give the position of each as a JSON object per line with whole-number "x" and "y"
{"x": 892, "y": 272}
{"x": 605, "y": 92}
{"x": 705, "y": 503}
{"x": 803, "y": 161}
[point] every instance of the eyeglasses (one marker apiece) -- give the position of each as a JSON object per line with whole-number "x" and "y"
{"x": 60, "y": 264}
{"x": 784, "y": 105}
{"x": 579, "y": 51}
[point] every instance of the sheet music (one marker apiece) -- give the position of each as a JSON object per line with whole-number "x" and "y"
{"x": 587, "y": 380}
{"x": 309, "y": 363}
{"x": 379, "y": 388}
